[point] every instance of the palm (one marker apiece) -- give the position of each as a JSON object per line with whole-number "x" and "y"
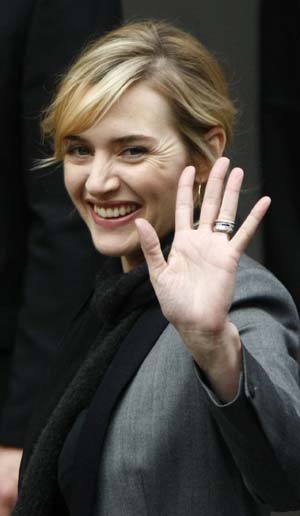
{"x": 197, "y": 283}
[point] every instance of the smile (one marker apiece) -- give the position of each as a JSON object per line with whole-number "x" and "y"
{"x": 115, "y": 212}
{"x": 111, "y": 217}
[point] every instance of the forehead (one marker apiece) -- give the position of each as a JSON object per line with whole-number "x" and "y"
{"x": 140, "y": 110}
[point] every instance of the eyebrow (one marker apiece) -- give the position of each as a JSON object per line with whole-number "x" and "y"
{"x": 130, "y": 138}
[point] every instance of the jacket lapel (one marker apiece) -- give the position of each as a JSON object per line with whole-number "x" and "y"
{"x": 122, "y": 369}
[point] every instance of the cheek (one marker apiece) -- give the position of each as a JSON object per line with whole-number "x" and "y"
{"x": 161, "y": 176}
{"x": 74, "y": 181}
{"x": 159, "y": 191}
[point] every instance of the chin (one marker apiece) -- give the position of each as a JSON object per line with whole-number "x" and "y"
{"x": 117, "y": 246}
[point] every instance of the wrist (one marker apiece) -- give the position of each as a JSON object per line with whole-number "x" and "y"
{"x": 209, "y": 348}
{"x": 221, "y": 351}
{"x": 219, "y": 356}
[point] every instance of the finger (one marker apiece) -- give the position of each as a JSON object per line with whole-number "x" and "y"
{"x": 231, "y": 195}
{"x": 151, "y": 247}
{"x": 213, "y": 192}
{"x": 247, "y": 230}
{"x": 184, "y": 200}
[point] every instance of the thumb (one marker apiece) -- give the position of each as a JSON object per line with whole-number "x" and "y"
{"x": 151, "y": 247}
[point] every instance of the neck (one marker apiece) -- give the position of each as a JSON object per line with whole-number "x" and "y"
{"x": 130, "y": 263}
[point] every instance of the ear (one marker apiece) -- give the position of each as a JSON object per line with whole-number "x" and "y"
{"x": 216, "y": 138}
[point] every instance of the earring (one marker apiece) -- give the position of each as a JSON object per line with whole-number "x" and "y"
{"x": 199, "y": 195}
{"x": 197, "y": 205}
{"x": 201, "y": 191}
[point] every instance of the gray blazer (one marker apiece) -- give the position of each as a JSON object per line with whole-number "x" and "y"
{"x": 173, "y": 449}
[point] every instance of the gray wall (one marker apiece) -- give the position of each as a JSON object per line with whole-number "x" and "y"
{"x": 229, "y": 29}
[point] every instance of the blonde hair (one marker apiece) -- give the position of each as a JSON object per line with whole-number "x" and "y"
{"x": 173, "y": 62}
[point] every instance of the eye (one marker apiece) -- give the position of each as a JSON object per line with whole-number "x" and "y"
{"x": 134, "y": 152}
{"x": 78, "y": 150}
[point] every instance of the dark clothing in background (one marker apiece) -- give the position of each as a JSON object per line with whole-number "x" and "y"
{"x": 47, "y": 260}
{"x": 280, "y": 111}
{"x": 280, "y": 114}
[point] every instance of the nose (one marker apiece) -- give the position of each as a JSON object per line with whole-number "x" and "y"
{"x": 102, "y": 178}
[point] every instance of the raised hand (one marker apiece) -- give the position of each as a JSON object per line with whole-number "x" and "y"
{"x": 195, "y": 287}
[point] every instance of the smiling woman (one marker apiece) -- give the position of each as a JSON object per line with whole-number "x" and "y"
{"x": 178, "y": 378}
{"x": 136, "y": 94}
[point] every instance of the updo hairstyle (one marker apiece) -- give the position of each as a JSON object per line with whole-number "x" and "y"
{"x": 168, "y": 59}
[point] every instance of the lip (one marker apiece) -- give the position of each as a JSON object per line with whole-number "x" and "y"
{"x": 113, "y": 223}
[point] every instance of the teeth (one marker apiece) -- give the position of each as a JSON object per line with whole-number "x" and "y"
{"x": 112, "y": 213}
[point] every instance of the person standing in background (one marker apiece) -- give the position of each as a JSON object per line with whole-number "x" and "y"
{"x": 280, "y": 109}
{"x": 47, "y": 262}
{"x": 279, "y": 106}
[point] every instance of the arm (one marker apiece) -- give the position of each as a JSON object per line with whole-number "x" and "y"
{"x": 196, "y": 290}
{"x": 260, "y": 426}
{"x": 220, "y": 358}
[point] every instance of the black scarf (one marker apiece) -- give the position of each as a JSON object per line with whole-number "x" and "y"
{"x": 89, "y": 348}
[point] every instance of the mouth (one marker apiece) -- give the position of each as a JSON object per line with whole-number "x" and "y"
{"x": 115, "y": 212}
{"x": 115, "y": 215}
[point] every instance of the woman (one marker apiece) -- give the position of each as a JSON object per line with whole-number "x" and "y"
{"x": 179, "y": 395}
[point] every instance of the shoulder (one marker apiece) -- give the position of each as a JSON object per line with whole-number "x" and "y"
{"x": 262, "y": 309}
{"x": 264, "y": 312}
{"x": 254, "y": 277}
{"x": 257, "y": 286}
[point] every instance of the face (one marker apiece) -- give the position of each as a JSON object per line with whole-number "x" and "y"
{"x": 126, "y": 166}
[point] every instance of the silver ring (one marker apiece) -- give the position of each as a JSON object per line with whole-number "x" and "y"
{"x": 224, "y": 226}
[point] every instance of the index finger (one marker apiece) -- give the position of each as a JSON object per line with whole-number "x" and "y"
{"x": 249, "y": 227}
